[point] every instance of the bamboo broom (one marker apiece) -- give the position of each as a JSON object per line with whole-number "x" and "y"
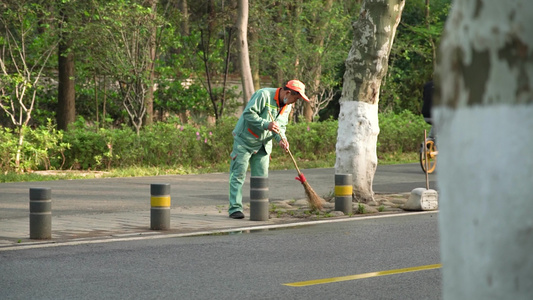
{"x": 315, "y": 201}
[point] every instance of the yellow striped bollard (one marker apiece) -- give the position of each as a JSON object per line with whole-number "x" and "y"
{"x": 160, "y": 206}
{"x": 343, "y": 193}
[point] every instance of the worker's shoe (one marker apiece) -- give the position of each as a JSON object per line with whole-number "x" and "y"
{"x": 237, "y": 215}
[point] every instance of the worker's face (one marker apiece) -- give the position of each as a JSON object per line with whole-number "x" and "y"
{"x": 291, "y": 96}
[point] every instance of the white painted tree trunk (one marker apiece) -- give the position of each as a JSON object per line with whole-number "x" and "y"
{"x": 366, "y": 66}
{"x": 483, "y": 112}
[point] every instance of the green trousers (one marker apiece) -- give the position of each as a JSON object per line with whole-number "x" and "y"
{"x": 240, "y": 158}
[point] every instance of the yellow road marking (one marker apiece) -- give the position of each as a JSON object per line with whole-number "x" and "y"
{"x": 361, "y": 276}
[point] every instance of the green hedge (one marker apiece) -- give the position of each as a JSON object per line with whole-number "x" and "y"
{"x": 172, "y": 144}
{"x": 401, "y": 132}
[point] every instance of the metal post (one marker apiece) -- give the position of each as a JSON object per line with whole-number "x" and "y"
{"x": 343, "y": 193}
{"x": 40, "y": 213}
{"x": 258, "y": 198}
{"x": 160, "y": 206}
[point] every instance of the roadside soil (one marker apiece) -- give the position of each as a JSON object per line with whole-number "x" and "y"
{"x": 384, "y": 203}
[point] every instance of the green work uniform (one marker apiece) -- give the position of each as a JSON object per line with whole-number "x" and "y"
{"x": 252, "y": 141}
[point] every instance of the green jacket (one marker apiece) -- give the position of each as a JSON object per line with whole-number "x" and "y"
{"x": 251, "y": 130}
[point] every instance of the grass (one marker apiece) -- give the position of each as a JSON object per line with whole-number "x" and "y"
{"x": 361, "y": 209}
{"x": 277, "y": 163}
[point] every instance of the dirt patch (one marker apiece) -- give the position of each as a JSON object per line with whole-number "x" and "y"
{"x": 90, "y": 174}
{"x": 383, "y": 203}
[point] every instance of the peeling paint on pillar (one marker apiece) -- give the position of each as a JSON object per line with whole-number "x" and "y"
{"x": 484, "y": 82}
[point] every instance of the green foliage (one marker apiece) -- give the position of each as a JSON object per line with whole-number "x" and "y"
{"x": 361, "y": 208}
{"x": 182, "y": 148}
{"x": 42, "y": 148}
{"x": 311, "y": 141}
{"x": 27, "y": 41}
{"x": 411, "y": 59}
{"x": 8, "y": 142}
{"x": 310, "y": 41}
{"x": 88, "y": 146}
{"x": 400, "y": 132}
{"x": 112, "y": 42}
{"x": 166, "y": 144}
{"x": 45, "y": 147}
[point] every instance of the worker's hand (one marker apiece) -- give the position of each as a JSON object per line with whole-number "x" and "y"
{"x": 284, "y": 144}
{"x": 274, "y": 127}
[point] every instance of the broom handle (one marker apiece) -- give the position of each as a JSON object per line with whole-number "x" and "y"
{"x": 288, "y": 150}
{"x": 294, "y": 161}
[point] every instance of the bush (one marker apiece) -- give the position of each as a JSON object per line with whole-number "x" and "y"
{"x": 401, "y": 132}
{"x": 172, "y": 144}
{"x": 161, "y": 144}
{"x": 42, "y": 148}
{"x": 8, "y": 142}
{"x": 312, "y": 141}
{"x": 89, "y": 146}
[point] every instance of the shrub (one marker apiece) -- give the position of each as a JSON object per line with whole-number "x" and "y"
{"x": 172, "y": 144}
{"x": 401, "y": 132}
{"x": 42, "y": 148}
{"x": 8, "y": 142}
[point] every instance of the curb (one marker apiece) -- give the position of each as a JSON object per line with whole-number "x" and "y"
{"x": 147, "y": 235}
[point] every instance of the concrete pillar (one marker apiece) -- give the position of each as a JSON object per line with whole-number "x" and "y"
{"x": 483, "y": 119}
{"x": 258, "y": 198}
{"x": 40, "y": 213}
{"x": 343, "y": 193}
{"x": 160, "y": 206}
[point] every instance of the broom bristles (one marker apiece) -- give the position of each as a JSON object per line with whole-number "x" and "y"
{"x": 315, "y": 201}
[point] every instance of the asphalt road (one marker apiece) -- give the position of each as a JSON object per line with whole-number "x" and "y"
{"x": 255, "y": 265}
{"x": 131, "y": 194}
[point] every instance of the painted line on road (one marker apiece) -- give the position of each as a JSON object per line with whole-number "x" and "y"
{"x": 148, "y": 235}
{"x": 364, "y": 275}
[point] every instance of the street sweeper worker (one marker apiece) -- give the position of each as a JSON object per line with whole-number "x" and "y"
{"x": 253, "y": 134}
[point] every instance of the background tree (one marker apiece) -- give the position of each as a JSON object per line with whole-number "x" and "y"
{"x": 305, "y": 41}
{"x": 148, "y": 119}
{"x": 25, "y": 52}
{"x": 196, "y": 66}
{"x": 366, "y": 66}
{"x": 210, "y": 50}
{"x": 126, "y": 37}
{"x": 318, "y": 37}
{"x": 412, "y": 59}
{"x": 66, "y": 96}
{"x": 242, "y": 44}
{"x": 484, "y": 100}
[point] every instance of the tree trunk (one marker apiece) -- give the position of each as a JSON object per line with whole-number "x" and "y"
{"x": 66, "y": 96}
{"x": 428, "y": 26}
{"x": 18, "y": 169}
{"x": 366, "y": 66}
{"x": 311, "y": 106}
{"x": 483, "y": 108}
{"x": 184, "y": 26}
{"x": 254, "y": 59}
{"x": 242, "y": 44}
{"x": 149, "y": 116}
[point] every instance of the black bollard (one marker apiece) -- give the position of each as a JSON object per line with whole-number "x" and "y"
{"x": 40, "y": 213}
{"x": 258, "y": 198}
